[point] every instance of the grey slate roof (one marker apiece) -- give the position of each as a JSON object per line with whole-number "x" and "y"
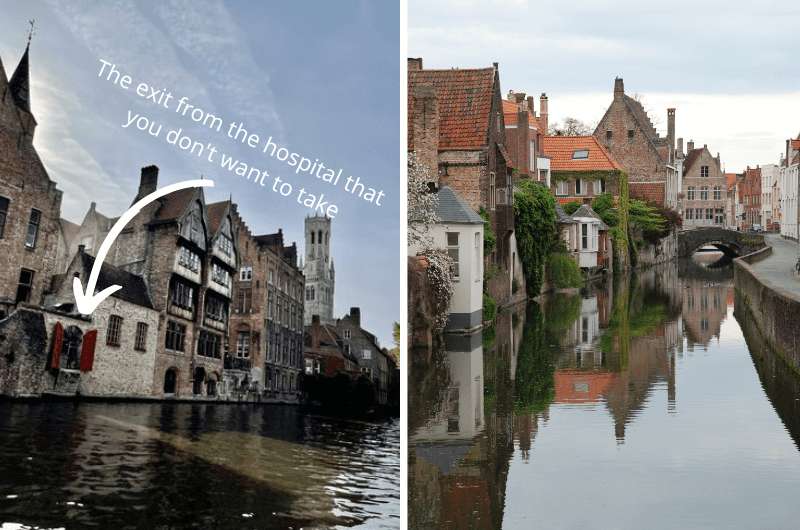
{"x": 561, "y": 215}
{"x": 133, "y": 289}
{"x": 586, "y": 211}
{"x": 453, "y": 209}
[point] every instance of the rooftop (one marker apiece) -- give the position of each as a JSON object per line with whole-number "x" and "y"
{"x": 578, "y": 153}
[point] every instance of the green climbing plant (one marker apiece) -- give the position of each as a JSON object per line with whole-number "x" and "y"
{"x": 535, "y": 224}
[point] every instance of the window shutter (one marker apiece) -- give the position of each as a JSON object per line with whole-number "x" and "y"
{"x": 87, "y": 350}
{"x": 58, "y": 342}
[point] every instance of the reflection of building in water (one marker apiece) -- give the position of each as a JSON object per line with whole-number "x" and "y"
{"x": 460, "y": 416}
{"x": 705, "y": 307}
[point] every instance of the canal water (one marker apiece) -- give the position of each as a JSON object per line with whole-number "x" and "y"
{"x": 649, "y": 403}
{"x": 101, "y": 465}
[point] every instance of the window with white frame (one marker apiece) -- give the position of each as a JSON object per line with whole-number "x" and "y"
{"x": 366, "y": 354}
{"x": 579, "y": 187}
{"x": 690, "y": 193}
{"x": 704, "y": 193}
{"x": 704, "y": 171}
{"x": 246, "y": 274}
{"x": 477, "y": 259}
{"x": 452, "y": 251}
{"x": 599, "y": 186}
{"x": 562, "y": 187}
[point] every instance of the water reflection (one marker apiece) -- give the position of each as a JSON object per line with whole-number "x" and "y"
{"x": 578, "y": 397}
{"x": 193, "y": 466}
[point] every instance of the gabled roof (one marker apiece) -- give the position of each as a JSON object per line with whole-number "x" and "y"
{"x": 730, "y": 179}
{"x": 586, "y": 211}
{"x": 691, "y": 158}
{"x": 451, "y": 208}
{"x": 19, "y": 84}
{"x": 644, "y": 121}
{"x": 174, "y": 205}
{"x": 69, "y": 229}
{"x": 465, "y": 103}
{"x": 216, "y": 213}
{"x": 560, "y": 149}
{"x": 133, "y": 289}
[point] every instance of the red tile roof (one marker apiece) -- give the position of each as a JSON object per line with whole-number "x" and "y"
{"x": 465, "y": 104}
{"x": 560, "y": 149}
{"x": 730, "y": 179}
{"x": 651, "y": 192}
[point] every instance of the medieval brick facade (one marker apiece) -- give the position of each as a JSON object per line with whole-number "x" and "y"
{"x": 628, "y": 133}
{"x": 524, "y": 133}
{"x": 456, "y": 121}
{"x": 30, "y": 203}
{"x": 704, "y": 189}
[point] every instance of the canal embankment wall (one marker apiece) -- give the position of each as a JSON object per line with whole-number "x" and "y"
{"x": 773, "y": 310}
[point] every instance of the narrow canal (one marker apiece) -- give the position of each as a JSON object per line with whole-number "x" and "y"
{"x": 641, "y": 404}
{"x": 99, "y": 465}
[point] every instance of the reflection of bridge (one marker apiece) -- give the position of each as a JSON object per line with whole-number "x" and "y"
{"x": 730, "y": 242}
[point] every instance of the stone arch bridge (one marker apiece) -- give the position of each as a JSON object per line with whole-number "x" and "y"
{"x": 731, "y": 242}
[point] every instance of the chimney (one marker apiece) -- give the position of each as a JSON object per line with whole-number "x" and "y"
{"x": 671, "y": 133}
{"x": 529, "y": 107}
{"x": 519, "y": 97}
{"x": 424, "y": 128}
{"x": 680, "y": 147}
{"x": 414, "y": 63}
{"x": 689, "y": 146}
{"x": 316, "y": 331}
{"x": 148, "y": 181}
{"x": 619, "y": 88}
{"x": 355, "y": 316}
{"x": 92, "y": 206}
{"x": 543, "y": 111}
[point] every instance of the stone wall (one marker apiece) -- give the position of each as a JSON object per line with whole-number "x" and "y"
{"x": 666, "y": 249}
{"x": 773, "y": 310}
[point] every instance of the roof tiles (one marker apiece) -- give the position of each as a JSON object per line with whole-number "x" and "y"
{"x": 561, "y": 149}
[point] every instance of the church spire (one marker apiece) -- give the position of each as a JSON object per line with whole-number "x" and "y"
{"x": 20, "y": 84}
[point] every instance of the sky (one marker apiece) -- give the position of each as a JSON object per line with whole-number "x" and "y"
{"x": 323, "y": 79}
{"x": 728, "y": 67}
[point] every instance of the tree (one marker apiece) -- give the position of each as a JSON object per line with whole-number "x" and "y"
{"x": 570, "y": 127}
{"x": 395, "y": 352}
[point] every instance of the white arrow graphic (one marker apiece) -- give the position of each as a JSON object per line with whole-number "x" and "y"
{"x": 88, "y": 301}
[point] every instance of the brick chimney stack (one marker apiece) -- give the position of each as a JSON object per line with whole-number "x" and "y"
{"x": 414, "y": 63}
{"x": 543, "y": 111}
{"x": 148, "y": 183}
{"x": 619, "y": 88}
{"x": 680, "y": 147}
{"x": 689, "y": 146}
{"x": 316, "y": 331}
{"x": 671, "y": 133}
{"x": 425, "y": 127}
{"x": 355, "y": 316}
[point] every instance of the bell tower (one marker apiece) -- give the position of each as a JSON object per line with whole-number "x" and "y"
{"x": 318, "y": 270}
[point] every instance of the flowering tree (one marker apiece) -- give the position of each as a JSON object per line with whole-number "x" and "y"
{"x": 421, "y": 204}
{"x": 421, "y": 217}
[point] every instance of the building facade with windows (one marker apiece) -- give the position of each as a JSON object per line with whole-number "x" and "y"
{"x": 187, "y": 261}
{"x": 581, "y": 169}
{"x": 789, "y": 180}
{"x": 648, "y": 158}
{"x": 374, "y": 362}
{"x": 751, "y": 199}
{"x": 30, "y": 203}
{"x": 56, "y": 351}
{"x": 769, "y": 177}
{"x": 524, "y": 133}
{"x": 705, "y": 189}
{"x": 456, "y": 127}
{"x": 266, "y": 329}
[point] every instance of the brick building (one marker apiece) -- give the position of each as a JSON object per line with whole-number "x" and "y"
{"x": 325, "y": 353}
{"x": 524, "y": 133}
{"x": 373, "y": 361}
{"x": 30, "y": 203}
{"x": 456, "y": 127}
{"x": 187, "y": 263}
{"x": 581, "y": 168}
{"x": 627, "y": 132}
{"x": 705, "y": 188}
{"x": 751, "y": 197}
{"x": 266, "y": 329}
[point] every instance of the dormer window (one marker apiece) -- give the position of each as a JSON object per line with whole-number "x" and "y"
{"x": 580, "y": 154}
{"x": 220, "y": 275}
{"x": 189, "y": 259}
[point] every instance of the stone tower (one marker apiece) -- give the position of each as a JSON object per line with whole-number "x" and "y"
{"x": 318, "y": 270}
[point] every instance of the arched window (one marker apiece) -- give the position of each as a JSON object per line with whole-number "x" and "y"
{"x": 170, "y": 381}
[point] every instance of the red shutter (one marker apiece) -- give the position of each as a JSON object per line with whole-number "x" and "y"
{"x": 87, "y": 350}
{"x": 58, "y": 342}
